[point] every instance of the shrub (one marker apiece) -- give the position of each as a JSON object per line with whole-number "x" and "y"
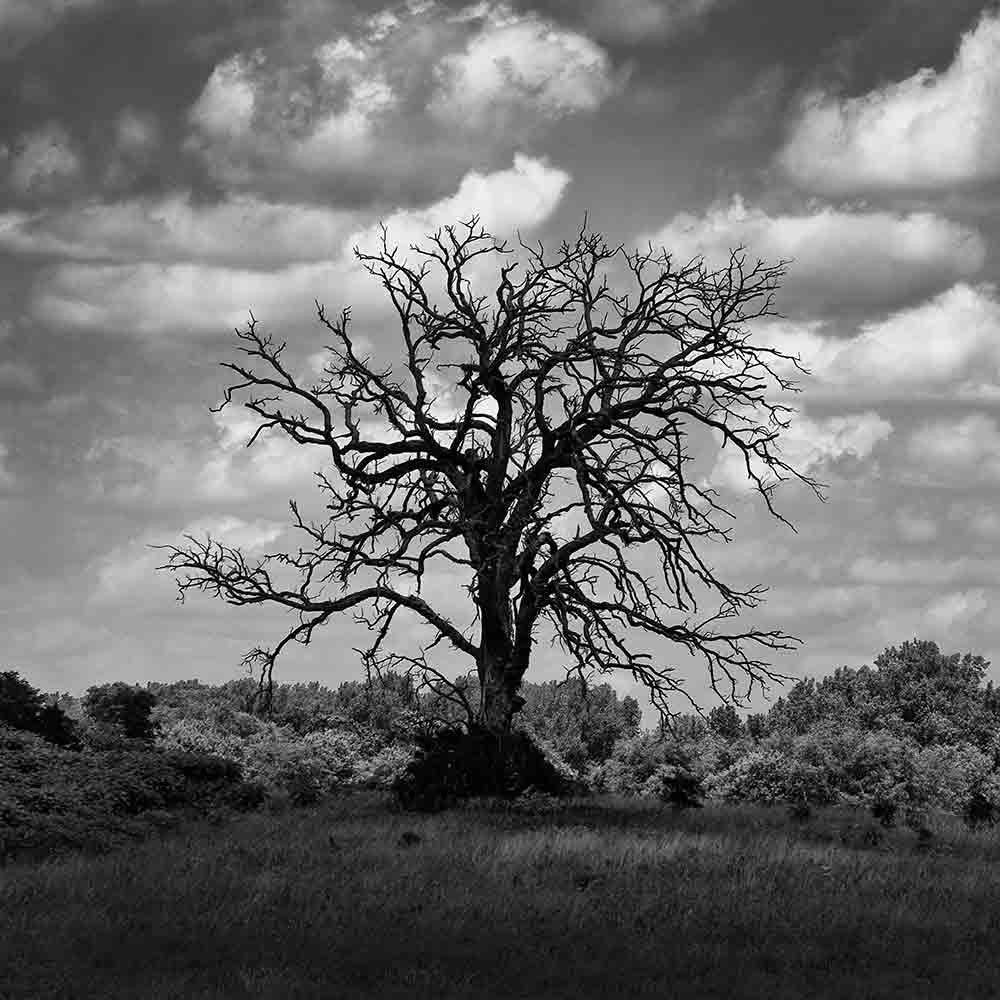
{"x": 301, "y": 768}
{"x": 946, "y": 776}
{"x": 982, "y": 808}
{"x": 54, "y": 798}
{"x": 456, "y": 764}
{"x": 884, "y": 808}
{"x": 677, "y": 785}
{"x": 770, "y": 776}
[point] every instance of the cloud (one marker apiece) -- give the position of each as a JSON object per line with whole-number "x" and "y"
{"x": 929, "y": 131}
{"x": 841, "y": 261}
{"x": 404, "y": 103}
{"x": 515, "y": 63}
{"x": 203, "y": 469}
{"x": 43, "y": 161}
{"x": 137, "y": 137}
{"x": 15, "y": 375}
{"x": 945, "y": 348}
{"x": 504, "y": 200}
{"x": 808, "y": 446}
{"x": 231, "y": 471}
{"x": 6, "y": 476}
{"x": 916, "y": 528}
{"x": 645, "y": 21}
{"x": 927, "y": 572}
{"x": 957, "y": 608}
{"x": 978, "y": 518}
{"x": 957, "y": 451}
{"x": 239, "y": 231}
{"x": 23, "y": 20}
{"x": 129, "y": 570}
{"x": 150, "y": 298}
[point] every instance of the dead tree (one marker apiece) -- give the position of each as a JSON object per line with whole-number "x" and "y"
{"x": 534, "y": 442}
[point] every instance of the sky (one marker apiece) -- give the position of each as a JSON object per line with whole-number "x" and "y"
{"x": 168, "y": 165}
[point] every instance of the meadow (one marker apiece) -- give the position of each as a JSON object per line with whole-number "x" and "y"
{"x": 597, "y": 897}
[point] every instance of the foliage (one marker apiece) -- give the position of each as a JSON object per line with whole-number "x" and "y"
{"x": 769, "y": 776}
{"x": 636, "y": 764}
{"x": 677, "y": 784}
{"x": 914, "y": 692}
{"x": 285, "y": 763}
{"x": 949, "y": 775}
{"x": 23, "y": 707}
{"x": 456, "y": 764}
{"x": 724, "y": 721}
{"x": 125, "y": 706}
{"x": 581, "y": 722}
{"x": 52, "y": 798}
{"x": 20, "y": 703}
{"x": 55, "y": 726}
{"x": 982, "y": 807}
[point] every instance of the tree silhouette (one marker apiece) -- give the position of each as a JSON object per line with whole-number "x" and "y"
{"x": 535, "y": 443}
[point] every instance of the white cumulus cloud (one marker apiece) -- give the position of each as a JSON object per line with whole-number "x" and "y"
{"x": 152, "y": 297}
{"x": 945, "y": 348}
{"x": 240, "y": 231}
{"x": 840, "y": 260}
{"x": 397, "y": 103}
{"x": 807, "y": 446}
{"x": 517, "y": 61}
{"x": 956, "y": 451}
{"x": 931, "y": 130}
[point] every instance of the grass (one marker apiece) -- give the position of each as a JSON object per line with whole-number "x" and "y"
{"x": 600, "y": 898}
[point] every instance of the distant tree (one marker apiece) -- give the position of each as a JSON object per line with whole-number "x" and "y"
{"x": 124, "y": 706}
{"x": 534, "y": 445}
{"x": 756, "y": 726}
{"x": 686, "y": 727}
{"x": 938, "y": 698}
{"x": 20, "y": 703}
{"x": 385, "y": 701}
{"x": 724, "y": 721}
{"x": 914, "y": 691}
{"x": 57, "y": 727}
{"x": 24, "y": 707}
{"x": 582, "y": 722}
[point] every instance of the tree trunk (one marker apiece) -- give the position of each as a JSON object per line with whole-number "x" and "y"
{"x": 499, "y": 700}
{"x": 497, "y": 680}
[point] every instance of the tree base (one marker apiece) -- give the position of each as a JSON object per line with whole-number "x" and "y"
{"x": 454, "y": 765}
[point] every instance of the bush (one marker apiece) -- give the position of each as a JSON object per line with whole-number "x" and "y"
{"x": 884, "y": 808}
{"x": 677, "y": 785}
{"x": 982, "y": 808}
{"x": 125, "y": 706}
{"x": 54, "y": 799}
{"x": 456, "y": 764}
{"x": 301, "y": 769}
{"x": 632, "y": 763}
{"x": 771, "y": 776}
{"x": 946, "y": 776}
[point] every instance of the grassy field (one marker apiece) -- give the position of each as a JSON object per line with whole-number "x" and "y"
{"x": 596, "y": 899}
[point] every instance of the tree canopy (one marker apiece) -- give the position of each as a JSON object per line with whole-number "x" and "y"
{"x": 533, "y": 444}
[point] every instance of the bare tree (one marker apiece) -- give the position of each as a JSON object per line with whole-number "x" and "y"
{"x": 535, "y": 443}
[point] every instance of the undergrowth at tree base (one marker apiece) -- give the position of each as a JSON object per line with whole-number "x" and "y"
{"x": 456, "y": 764}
